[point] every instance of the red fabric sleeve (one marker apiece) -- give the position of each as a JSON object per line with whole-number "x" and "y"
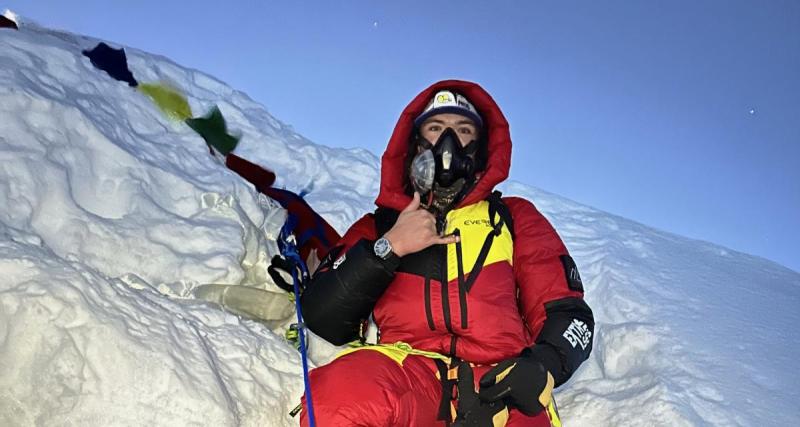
{"x": 364, "y": 228}
{"x": 538, "y": 270}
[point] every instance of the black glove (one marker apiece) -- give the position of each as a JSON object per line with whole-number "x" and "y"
{"x": 522, "y": 383}
{"x": 471, "y": 410}
{"x": 281, "y": 263}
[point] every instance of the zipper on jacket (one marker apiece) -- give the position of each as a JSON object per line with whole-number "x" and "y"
{"x": 462, "y": 290}
{"x": 445, "y": 288}
{"x": 428, "y": 310}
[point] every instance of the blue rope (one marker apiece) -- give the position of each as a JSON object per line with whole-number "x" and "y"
{"x": 289, "y": 250}
{"x": 303, "y": 349}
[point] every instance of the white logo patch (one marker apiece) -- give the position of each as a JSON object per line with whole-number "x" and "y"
{"x": 578, "y": 334}
{"x": 446, "y": 98}
{"x": 339, "y": 261}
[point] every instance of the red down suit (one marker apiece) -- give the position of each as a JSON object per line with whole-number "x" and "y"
{"x": 508, "y": 285}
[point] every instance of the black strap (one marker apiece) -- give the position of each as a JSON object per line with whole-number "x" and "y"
{"x": 496, "y": 208}
{"x": 487, "y": 245}
{"x": 499, "y": 207}
{"x": 447, "y": 391}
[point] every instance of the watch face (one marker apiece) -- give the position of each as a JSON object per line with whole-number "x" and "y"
{"x": 382, "y": 248}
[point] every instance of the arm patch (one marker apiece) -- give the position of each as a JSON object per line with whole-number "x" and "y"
{"x": 574, "y": 281}
{"x": 569, "y": 329}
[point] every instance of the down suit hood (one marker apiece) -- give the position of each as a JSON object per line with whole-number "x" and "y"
{"x": 393, "y": 175}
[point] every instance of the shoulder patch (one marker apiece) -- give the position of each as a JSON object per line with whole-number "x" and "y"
{"x": 571, "y": 272}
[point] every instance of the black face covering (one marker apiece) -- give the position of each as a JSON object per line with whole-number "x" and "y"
{"x": 453, "y": 162}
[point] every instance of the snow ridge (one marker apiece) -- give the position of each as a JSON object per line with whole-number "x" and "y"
{"x": 111, "y": 215}
{"x": 681, "y": 325}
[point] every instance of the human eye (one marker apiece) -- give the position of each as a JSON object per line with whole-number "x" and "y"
{"x": 466, "y": 130}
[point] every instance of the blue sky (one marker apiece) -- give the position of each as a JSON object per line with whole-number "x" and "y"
{"x": 683, "y": 115}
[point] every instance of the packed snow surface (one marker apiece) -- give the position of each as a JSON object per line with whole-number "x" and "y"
{"x": 111, "y": 215}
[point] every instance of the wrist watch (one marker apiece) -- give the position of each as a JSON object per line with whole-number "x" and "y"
{"x": 383, "y": 249}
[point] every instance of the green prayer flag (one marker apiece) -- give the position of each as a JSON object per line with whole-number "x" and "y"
{"x": 214, "y": 131}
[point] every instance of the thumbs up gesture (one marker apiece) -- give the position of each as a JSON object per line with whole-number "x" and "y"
{"x": 415, "y": 230}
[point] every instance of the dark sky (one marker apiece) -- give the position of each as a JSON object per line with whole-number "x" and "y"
{"x": 683, "y": 115}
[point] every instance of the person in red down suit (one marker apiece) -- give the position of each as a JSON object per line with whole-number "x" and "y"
{"x": 478, "y": 304}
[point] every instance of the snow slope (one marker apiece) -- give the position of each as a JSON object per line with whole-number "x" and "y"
{"x": 110, "y": 215}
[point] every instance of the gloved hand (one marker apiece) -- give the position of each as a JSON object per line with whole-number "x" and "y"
{"x": 280, "y": 264}
{"x": 471, "y": 410}
{"x": 522, "y": 383}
